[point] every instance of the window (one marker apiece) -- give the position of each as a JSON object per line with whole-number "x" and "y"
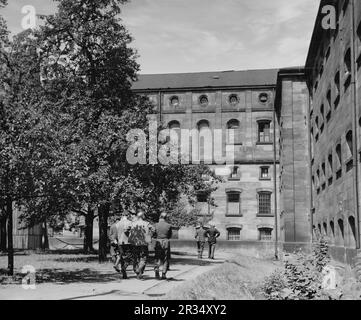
{"x": 351, "y": 222}
{"x": 339, "y": 161}
{"x": 337, "y": 88}
{"x": 265, "y": 234}
{"x": 234, "y": 173}
{"x": 263, "y": 97}
{"x": 347, "y": 66}
{"x": 233, "y": 204}
{"x": 325, "y": 228}
{"x": 233, "y": 99}
{"x": 330, "y": 169}
{"x": 264, "y": 173}
{"x": 344, "y": 6}
{"x": 234, "y": 234}
{"x": 264, "y": 131}
{"x": 205, "y": 142}
{"x": 341, "y": 228}
{"x": 322, "y": 111}
{"x": 332, "y": 227}
{"x": 202, "y": 197}
{"x": 264, "y": 203}
{"x": 329, "y": 112}
{"x": 203, "y": 100}
{"x": 349, "y": 164}
{"x": 233, "y": 132}
{"x": 328, "y": 52}
{"x": 174, "y": 101}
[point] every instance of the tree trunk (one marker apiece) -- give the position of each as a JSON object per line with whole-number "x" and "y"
{"x": 3, "y": 233}
{"x": 103, "y": 214}
{"x": 88, "y": 232}
{"x": 45, "y": 238}
{"x": 9, "y": 214}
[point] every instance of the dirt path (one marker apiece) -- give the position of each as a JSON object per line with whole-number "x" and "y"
{"x": 183, "y": 269}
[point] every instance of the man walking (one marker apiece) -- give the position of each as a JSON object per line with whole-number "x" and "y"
{"x": 140, "y": 237}
{"x": 113, "y": 239}
{"x": 200, "y": 237}
{"x": 125, "y": 250}
{"x": 212, "y": 234}
{"x": 162, "y": 234}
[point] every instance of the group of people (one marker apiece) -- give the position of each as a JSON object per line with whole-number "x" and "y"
{"x": 210, "y": 234}
{"x": 130, "y": 239}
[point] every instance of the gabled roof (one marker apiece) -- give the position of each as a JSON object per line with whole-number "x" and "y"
{"x": 218, "y": 79}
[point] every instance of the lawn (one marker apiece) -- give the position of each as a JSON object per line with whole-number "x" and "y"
{"x": 239, "y": 278}
{"x": 58, "y": 267}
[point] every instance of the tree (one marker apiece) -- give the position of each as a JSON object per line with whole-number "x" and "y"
{"x": 87, "y": 72}
{"x": 19, "y": 123}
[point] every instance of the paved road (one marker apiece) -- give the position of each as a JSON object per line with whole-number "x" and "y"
{"x": 183, "y": 269}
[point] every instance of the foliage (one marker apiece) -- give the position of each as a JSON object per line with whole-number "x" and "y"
{"x": 301, "y": 278}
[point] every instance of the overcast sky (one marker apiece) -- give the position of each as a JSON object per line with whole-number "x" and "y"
{"x": 208, "y": 35}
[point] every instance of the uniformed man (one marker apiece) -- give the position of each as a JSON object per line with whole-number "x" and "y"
{"x": 162, "y": 234}
{"x": 140, "y": 237}
{"x": 125, "y": 250}
{"x": 200, "y": 237}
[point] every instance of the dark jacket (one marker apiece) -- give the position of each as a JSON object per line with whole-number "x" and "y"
{"x": 212, "y": 235}
{"x": 200, "y": 235}
{"x": 163, "y": 230}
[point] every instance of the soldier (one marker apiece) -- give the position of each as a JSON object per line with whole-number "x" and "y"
{"x": 140, "y": 238}
{"x": 200, "y": 236}
{"x": 125, "y": 250}
{"x": 212, "y": 234}
{"x": 162, "y": 234}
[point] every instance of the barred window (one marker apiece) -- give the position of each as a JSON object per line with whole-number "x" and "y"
{"x": 202, "y": 197}
{"x": 264, "y": 203}
{"x": 233, "y": 203}
{"x": 234, "y": 234}
{"x": 265, "y": 173}
{"x": 264, "y": 131}
{"x": 265, "y": 234}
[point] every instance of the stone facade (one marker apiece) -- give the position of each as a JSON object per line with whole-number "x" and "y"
{"x": 333, "y": 73}
{"x": 236, "y": 213}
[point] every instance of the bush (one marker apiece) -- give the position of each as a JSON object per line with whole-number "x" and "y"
{"x": 301, "y": 278}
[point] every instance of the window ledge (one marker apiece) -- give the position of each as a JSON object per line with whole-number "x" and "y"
{"x": 264, "y": 143}
{"x": 234, "y": 215}
{"x": 234, "y": 179}
{"x": 265, "y": 179}
{"x": 265, "y": 215}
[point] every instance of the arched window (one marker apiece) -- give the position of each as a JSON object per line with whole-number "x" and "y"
{"x": 351, "y": 222}
{"x": 332, "y": 227}
{"x": 325, "y": 231}
{"x": 233, "y": 131}
{"x": 265, "y": 234}
{"x": 205, "y": 141}
{"x": 339, "y": 161}
{"x": 341, "y": 229}
{"x": 174, "y": 125}
{"x": 234, "y": 234}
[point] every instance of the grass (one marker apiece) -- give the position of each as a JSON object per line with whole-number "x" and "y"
{"x": 58, "y": 267}
{"x": 238, "y": 279}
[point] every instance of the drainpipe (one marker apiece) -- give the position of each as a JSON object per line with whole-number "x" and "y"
{"x": 310, "y": 162}
{"x": 275, "y": 178}
{"x": 354, "y": 124}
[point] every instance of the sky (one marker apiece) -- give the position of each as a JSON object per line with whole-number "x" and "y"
{"x": 208, "y": 35}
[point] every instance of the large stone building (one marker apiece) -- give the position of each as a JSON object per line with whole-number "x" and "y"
{"x": 333, "y": 78}
{"x": 246, "y": 202}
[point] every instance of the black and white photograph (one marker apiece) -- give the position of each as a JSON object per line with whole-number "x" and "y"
{"x": 179, "y": 155}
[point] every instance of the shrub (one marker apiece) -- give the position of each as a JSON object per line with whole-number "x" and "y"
{"x": 301, "y": 278}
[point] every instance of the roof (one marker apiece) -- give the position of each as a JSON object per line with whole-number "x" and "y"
{"x": 218, "y": 79}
